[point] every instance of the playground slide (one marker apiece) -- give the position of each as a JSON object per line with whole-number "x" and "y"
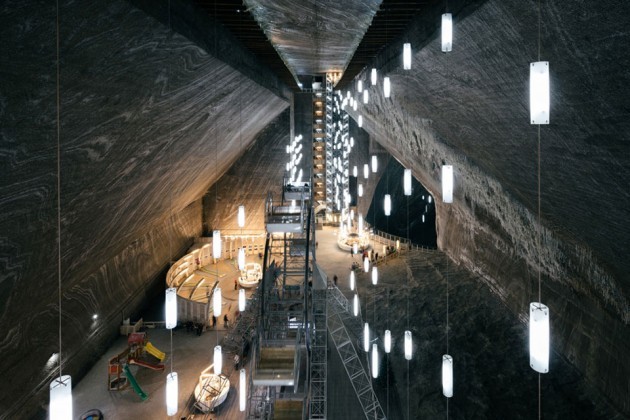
{"x": 153, "y": 351}
{"x": 142, "y": 363}
{"x": 134, "y": 384}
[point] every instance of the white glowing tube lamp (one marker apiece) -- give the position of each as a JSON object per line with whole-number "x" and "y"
{"x": 447, "y": 183}
{"x": 407, "y": 182}
{"x": 241, "y": 258}
{"x": 355, "y": 248}
{"x": 360, "y": 190}
{"x": 366, "y": 337}
{"x": 352, "y": 280}
{"x": 374, "y": 163}
{"x": 387, "y": 87}
{"x": 366, "y": 96}
{"x": 218, "y": 360}
{"x": 373, "y": 77}
{"x": 374, "y": 361}
{"x": 366, "y": 265}
{"x": 242, "y": 392}
{"x": 387, "y": 205}
{"x": 241, "y": 300}
{"x": 387, "y": 341}
{"x": 360, "y": 122}
{"x": 408, "y": 345}
{"x": 61, "y": 398}
{"x": 355, "y": 105}
{"x": 216, "y": 244}
{"x": 539, "y": 92}
{"x": 170, "y": 308}
{"x": 352, "y": 142}
{"x": 355, "y": 171}
{"x": 447, "y": 32}
{"x": 447, "y": 376}
{"x": 374, "y": 275}
{"x": 360, "y": 224}
{"x": 360, "y": 86}
{"x": 172, "y": 394}
{"x": 241, "y": 216}
{"x": 366, "y": 171}
{"x": 355, "y": 305}
{"x": 539, "y": 337}
{"x": 407, "y": 56}
{"x": 217, "y": 302}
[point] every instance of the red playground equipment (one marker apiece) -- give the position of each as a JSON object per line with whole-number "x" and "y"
{"x": 118, "y": 373}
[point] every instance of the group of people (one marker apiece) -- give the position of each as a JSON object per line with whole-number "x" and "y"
{"x": 225, "y": 321}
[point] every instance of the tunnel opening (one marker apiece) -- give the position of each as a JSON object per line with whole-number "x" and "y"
{"x": 420, "y": 208}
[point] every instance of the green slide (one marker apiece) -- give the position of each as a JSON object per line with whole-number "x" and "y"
{"x": 134, "y": 383}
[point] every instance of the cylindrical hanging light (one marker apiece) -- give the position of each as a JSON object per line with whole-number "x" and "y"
{"x": 407, "y": 56}
{"x": 242, "y": 392}
{"x": 352, "y": 280}
{"x": 355, "y": 171}
{"x": 407, "y": 182}
{"x": 355, "y": 305}
{"x": 366, "y": 96}
{"x": 366, "y": 337}
{"x": 216, "y": 244}
{"x": 217, "y": 302}
{"x": 447, "y": 376}
{"x": 447, "y": 183}
{"x": 374, "y": 275}
{"x": 366, "y": 265}
{"x": 539, "y": 92}
{"x": 374, "y": 361}
{"x": 408, "y": 345}
{"x": 61, "y": 398}
{"x": 387, "y": 205}
{"x": 360, "y": 223}
{"x": 355, "y": 248}
{"x": 355, "y": 104}
{"x": 366, "y": 171}
{"x": 387, "y": 88}
{"x": 360, "y": 122}
{"x": 539, "y": 337}
{"x": 374, "y": 163}
{"x": 241, "y": 216}
{"x": 218, "y": 360}
{"x": 387, "y": 341}
{"x": 447, "y": 32}
{"x": 360, "y": 190}
{"x": 172, "y": 394}
{"x": 241, "y": 258}
{"x": 360, "y": 86}
{"x": 373, "y": 77}
{"x": 241, "y": 300}
{"x": 170, "y": 308}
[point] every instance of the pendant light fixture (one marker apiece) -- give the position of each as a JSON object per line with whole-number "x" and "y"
{"x": 360, "y": 122}
{"x": 447, "y": 32}
{"x": 355, "y": 248}
{"x": 352, "y": 280}
{"x": 447, "y": 376}
{"x": 241, "y": 258}
{"x": 387, "y": 205}
{"x": 373, "y": 77}
{"x": 241, "y": 300}
{"x": 374, "y": 275}
{"x": 242, "y": 392}
{"x": 60, "y": 387}
{"x": 374, "y": 163}
{"x": 447, "y": 183}
{"x": 387, "y": 341}
{"x": 218, "y": 360}
{"x": 539, "y": 337}
{"x": 172, "y": 394}
{"x": 217, "y": 302}
{"x": 360, "y": 190}
{"x": 360, "y": 224}
{"x": 366, "y": 171}
{"x": 366, "y": 337}
{"x": 366, "y": 265}
{"x": 355, "y": 171}
{"x": 374, "y": 361}
{"x": 407, "y": 182}
{"x": 360, "y": 86}
{"x": 355, "y": 305}
{"x": 241, "y": 216}
{"x": 216, "y": 244}
{"x": 387, "y": 88}
{"x": 171, "y": 308}
{"x": 366, "y": 96}
{"x": 408, "y": 345}
{"x": 407, "y": 56}
{"x": 539, "y": 92}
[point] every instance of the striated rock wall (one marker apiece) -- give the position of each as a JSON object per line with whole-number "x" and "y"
{"x": 469, "y": 108}
{"x": 148, "y": 123}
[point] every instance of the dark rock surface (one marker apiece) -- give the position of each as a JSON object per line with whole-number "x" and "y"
{"x": 469, "y": 108}
{"x": 488, "y": 342}
{"x": 148, "y": 123}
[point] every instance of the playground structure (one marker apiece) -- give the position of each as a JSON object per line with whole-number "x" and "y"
{"x": 250, "y": 275}
{"x": 118, "y": 373}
